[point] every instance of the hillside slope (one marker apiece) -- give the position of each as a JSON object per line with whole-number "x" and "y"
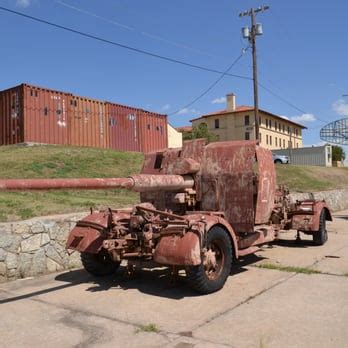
{"x": 73, "y": 162}
{"x": 63, "y": 162}
{"x": 311, "y": 178}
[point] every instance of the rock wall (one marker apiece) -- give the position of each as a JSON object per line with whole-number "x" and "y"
{"x": 37, "y": 246}
{"x": 336, "y": 199}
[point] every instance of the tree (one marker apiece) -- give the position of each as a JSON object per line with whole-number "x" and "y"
{"x": 338, "y": 153}
{"x": 201, "y": 131}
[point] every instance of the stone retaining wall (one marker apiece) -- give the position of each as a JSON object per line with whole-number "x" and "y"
{"x": 37, "y": 246}
{"x": 336, "y": 199}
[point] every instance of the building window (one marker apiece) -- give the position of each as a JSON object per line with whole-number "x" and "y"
{"x": 46, "y": 111}
{"x": 270, "y": 139}
{"x": 217, "y": 123}
{"x": 260, "y": 120}
{"x": 148, "y": 126}
{"x": 288, "y": 130}
{"x": 247, "y": 136}
{"x": 246, "y": 120}
{"x": 260, "y": 137}
{"x": 267, "y": 139}
{"x": 283, "y": 128}
{"x": 284, "y": 143}
{"x": 276, "y": 141}
{"x": 266, "y": 123}
{"x": 275, "y": 125}
{"x": 270, "y": 123}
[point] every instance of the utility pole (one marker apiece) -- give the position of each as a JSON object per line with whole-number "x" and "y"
{"x": 250, "y": 34}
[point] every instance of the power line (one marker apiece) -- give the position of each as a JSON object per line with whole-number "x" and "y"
{"x": 154, "y": 55}
{"x": 213, "y": 84}
{"x": 133, "y": 29}
{"x": 114, "y": 43}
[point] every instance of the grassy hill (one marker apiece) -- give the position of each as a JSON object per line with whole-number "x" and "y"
{"x": 73, "y": 162}
{"x": 63, "y": 162}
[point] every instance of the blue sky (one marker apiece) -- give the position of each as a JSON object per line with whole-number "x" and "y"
{"x": 303, "y": 54}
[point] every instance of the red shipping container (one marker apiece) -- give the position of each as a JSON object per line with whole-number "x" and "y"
{"x": 45, "y": 115}
{"x": 88, "y": 122}
{"x": 11, "y": 116}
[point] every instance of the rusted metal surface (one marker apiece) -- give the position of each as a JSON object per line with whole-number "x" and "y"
{"x": 139, "y": 183}
{"x": 266, "y": 186}
{"x": 190, "y": 196}
{"x": 306, "y": 216}
{"x": 153, "y": 131}
{"x": 88, "y": 122}
{"x": 46, "y": 115}
{"x": 133, "y": 129}
{"x": 11, "y": 116}
{"x": 123, "y": 127}
{"x": 227, "y": 182}
{"x": 34, "y": 114}
{"x": 179, "y": 251}
{"x": 85, "y": 239}
{"x": 49, "y": 184}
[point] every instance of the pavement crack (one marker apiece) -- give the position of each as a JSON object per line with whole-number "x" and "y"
{"x": 281, "y": 281}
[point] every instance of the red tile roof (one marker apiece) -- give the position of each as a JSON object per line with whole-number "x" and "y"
{"x": 242, "y": 108}
{"x": 184, "y": 129}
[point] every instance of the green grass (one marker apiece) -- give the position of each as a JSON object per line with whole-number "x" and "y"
{"x": 311, "y": 178}
{"x": 74, "y": 162}
{"x": 292, "y": 269}
{"x": 63, "y": 162}
{"x": 147, "y": 328}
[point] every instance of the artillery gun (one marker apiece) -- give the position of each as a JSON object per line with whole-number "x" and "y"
{"x": 201, "y": 208}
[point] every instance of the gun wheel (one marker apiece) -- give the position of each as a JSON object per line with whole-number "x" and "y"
{"x": 320, "y": 237}
{"x": 212, "y": 273}
{"x": 99, "y": 264}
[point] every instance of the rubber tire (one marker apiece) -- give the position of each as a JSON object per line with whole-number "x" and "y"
{"x": 320, "y": 237}
{"x": 99, "y": 265}
{"x": 278, "y": 161}
{"x": 196, "y": 275}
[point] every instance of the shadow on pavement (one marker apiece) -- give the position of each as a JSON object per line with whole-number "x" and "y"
{"x": 156, "y": 282}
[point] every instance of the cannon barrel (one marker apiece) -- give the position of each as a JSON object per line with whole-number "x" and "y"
{"x": 139, "y": 183}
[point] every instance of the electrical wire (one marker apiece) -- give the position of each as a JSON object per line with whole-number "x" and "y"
{"x": 212, "y": 85}
{"x": 133, "y": 29}
{"x": 114, "y": 43}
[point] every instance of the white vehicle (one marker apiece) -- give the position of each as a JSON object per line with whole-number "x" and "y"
{"x": 280, "y": 159}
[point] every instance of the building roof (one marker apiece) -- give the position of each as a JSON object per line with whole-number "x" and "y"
{"x": 242, "y": 108}
{"x": 184, "y": 129}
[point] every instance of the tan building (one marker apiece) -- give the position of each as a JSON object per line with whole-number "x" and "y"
{"x": 174, "y": 137}
{"x": 237, "y": 123}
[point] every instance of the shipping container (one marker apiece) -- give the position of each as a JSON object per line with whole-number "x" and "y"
{"x": 123, "y": 127}
{"x": 11, "y": 116}
{"x": 133, "y": 129}
{"x": 153, "y": 132}
{"x": 40, "y": 115}
{"x": 88, "y": 122}
{"x": 45, "y": 115}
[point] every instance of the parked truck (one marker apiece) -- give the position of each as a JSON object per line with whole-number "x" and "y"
{"x": 201, "y": 208}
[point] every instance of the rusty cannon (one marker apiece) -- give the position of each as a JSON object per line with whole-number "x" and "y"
{"x": 201, "y": 208}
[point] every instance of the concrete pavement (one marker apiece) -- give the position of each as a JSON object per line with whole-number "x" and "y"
{"x": 258, "y": 307}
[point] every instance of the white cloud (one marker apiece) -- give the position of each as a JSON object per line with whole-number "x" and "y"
{"x": 23, "y": 3}
{"x": 186, "y": 111}
{"x": 221, "y": 100}
{"x": 166, "y": 107}
{"x": 340, "y": 107}
{"x": 303, "y": 118}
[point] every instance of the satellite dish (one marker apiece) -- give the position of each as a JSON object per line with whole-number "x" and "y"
{"x": 336, "y": 132}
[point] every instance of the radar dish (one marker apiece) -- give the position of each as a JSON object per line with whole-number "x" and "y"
{"x": 336, "y": 132}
